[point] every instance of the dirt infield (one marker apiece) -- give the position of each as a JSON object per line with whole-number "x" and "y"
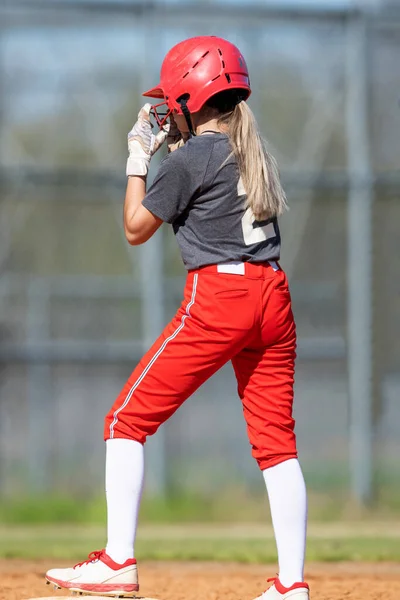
{"x": 215, "y": 581}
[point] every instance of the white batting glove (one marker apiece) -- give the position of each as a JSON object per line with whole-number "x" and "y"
{"x": 142, "y": 143}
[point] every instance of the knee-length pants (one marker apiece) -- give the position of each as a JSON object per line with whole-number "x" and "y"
{"x": 225, "y": 316}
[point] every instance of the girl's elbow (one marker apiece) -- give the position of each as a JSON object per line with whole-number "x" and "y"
{"x": 138, "y": 231}
{"x": 135, "y": 237}
{"x": 132, "y": 237}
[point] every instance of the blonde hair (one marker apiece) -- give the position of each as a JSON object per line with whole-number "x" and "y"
{"x": 258, "y": 169}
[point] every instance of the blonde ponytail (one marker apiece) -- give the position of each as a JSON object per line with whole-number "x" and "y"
{"x": 257, "y": 167}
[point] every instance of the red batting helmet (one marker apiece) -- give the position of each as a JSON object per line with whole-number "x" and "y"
{"x": 197, "y": 69}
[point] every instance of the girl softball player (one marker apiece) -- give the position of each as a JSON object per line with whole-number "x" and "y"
{"x": 220, "y": 190}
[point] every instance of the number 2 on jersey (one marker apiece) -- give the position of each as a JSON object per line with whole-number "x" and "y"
{"x": 253, "y": 233}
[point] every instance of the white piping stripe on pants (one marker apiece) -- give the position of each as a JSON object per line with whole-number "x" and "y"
{"x": 157, "y": 354}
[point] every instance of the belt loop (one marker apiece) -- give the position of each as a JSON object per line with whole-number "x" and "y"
{"x": 274, "y": 265}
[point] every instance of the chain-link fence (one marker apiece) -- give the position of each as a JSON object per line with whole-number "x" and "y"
{"x": 78, "y": 306}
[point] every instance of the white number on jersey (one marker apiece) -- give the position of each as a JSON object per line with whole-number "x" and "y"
{"x": 251, "y": 233}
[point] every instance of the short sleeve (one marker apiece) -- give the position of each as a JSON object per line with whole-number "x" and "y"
{"x": 172, "y": 189}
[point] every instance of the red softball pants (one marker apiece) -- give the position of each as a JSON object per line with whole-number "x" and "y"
{"x": 244, "y": 318}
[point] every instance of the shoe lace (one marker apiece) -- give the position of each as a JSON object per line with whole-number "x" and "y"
{"x": 273, "y": 579}
{"x": 93, "y": 556}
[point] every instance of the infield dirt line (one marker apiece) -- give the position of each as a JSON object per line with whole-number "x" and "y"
{"x": 176, "y": 580}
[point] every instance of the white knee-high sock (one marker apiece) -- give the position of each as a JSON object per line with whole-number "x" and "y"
{"x": 288, "y": 503}
{"x": 124, "y": 484}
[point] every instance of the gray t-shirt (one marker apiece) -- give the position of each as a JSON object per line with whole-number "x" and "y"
{"x": 199, "y": 192}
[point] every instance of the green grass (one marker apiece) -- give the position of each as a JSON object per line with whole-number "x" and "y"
{"x": 175, "y": 509}
{"x": 246, "y": 544}
{"x": 185, "y": 527}
{"x": 230, "y": 506}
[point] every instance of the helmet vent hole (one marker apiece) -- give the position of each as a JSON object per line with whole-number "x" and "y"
{"x": 215, "y": 78}
{"x": 185, "y": 75}
{"x": 223, "y": 64}
{"x": 205, "y": 53}
{"x": 195, "y": 64}
{"x": 220, "y": 51}
{"x": 228, "y": 77}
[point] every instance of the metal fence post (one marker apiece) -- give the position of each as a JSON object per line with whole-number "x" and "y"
{"x": 359, "y": 284}
{"x": 39, "y": 397}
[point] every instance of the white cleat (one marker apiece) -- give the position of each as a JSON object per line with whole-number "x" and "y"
{"x": 298, "y": 591}
{"x": 99, "y": 575}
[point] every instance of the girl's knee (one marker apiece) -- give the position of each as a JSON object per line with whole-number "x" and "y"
{"x": 130, "y": 429}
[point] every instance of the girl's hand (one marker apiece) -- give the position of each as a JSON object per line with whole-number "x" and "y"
{"x": 175, "y": 138}
{"x": 142, "y": 143}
